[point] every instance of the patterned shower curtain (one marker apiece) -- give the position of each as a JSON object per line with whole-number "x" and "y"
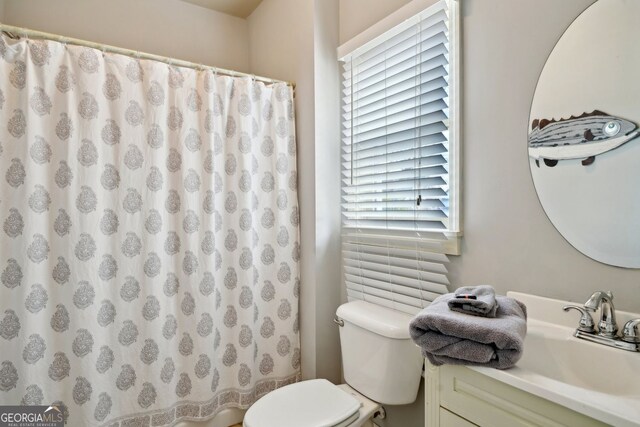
{"x": 150, "y": 240}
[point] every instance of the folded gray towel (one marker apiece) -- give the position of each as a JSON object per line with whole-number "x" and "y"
{"x": 450, "y": 337}
{"x": 484, "y": 303}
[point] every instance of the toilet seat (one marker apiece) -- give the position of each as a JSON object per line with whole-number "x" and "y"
{"x": 312, "y": 403}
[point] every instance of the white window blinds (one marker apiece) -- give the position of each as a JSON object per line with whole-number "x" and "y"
{"x": 399, "y": 162}
{"x": 402, "y": 275}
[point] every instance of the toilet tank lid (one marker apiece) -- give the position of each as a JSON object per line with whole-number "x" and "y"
{"x": 375, "y": 318}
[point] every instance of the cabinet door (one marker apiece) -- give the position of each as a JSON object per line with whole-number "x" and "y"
{"x": 491, "y": 403}
{"x": 449, "y": 419}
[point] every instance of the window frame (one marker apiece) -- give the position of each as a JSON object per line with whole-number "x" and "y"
{"x": 446, "y": 241}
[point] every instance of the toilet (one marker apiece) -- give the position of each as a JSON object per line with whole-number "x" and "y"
{"x": 381, "y": 365}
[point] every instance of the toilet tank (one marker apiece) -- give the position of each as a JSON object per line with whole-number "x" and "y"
{"x": 378, "y": 357}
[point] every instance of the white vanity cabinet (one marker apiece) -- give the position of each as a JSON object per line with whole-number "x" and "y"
{"x": 457, "y": 396}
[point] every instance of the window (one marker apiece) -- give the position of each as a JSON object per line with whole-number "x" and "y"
{"x": 400, "y": 161}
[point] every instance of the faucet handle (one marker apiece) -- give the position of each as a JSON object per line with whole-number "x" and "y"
{"x": 586, "y": 321}
{"x": 631, "y": 331}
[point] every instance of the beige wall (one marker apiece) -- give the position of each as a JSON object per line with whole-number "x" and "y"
{"x": 508, "y": 240}
{"x": 328, "y": 257}
{"x": 165, "y": 27}
{"x": 358, "y": 15}
{"x": 296, "y": 40}
{"x": 281, "y": 42}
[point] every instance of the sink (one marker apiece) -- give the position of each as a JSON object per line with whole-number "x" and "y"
{"x": 553, "y": 353}
{"x": 589, "y": 378}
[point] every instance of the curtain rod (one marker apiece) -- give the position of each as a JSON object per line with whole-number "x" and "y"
{"x": 13, "y": 31}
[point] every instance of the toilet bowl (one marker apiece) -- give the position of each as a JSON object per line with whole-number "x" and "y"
{"x": 381, "y": 365}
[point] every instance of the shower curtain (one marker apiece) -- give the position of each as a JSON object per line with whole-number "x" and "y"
{"x": 150, "y": 239}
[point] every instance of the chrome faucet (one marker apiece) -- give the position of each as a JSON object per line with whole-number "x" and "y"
{"x": 607, "y": 327}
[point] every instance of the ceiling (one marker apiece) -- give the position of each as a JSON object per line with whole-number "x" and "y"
{"x": 239, "y": 8}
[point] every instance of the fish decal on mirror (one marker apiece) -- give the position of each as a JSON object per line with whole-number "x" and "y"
{"x": 582, "y": 137}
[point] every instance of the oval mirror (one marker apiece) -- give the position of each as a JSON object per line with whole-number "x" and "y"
{"x": 584, "y": 133}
